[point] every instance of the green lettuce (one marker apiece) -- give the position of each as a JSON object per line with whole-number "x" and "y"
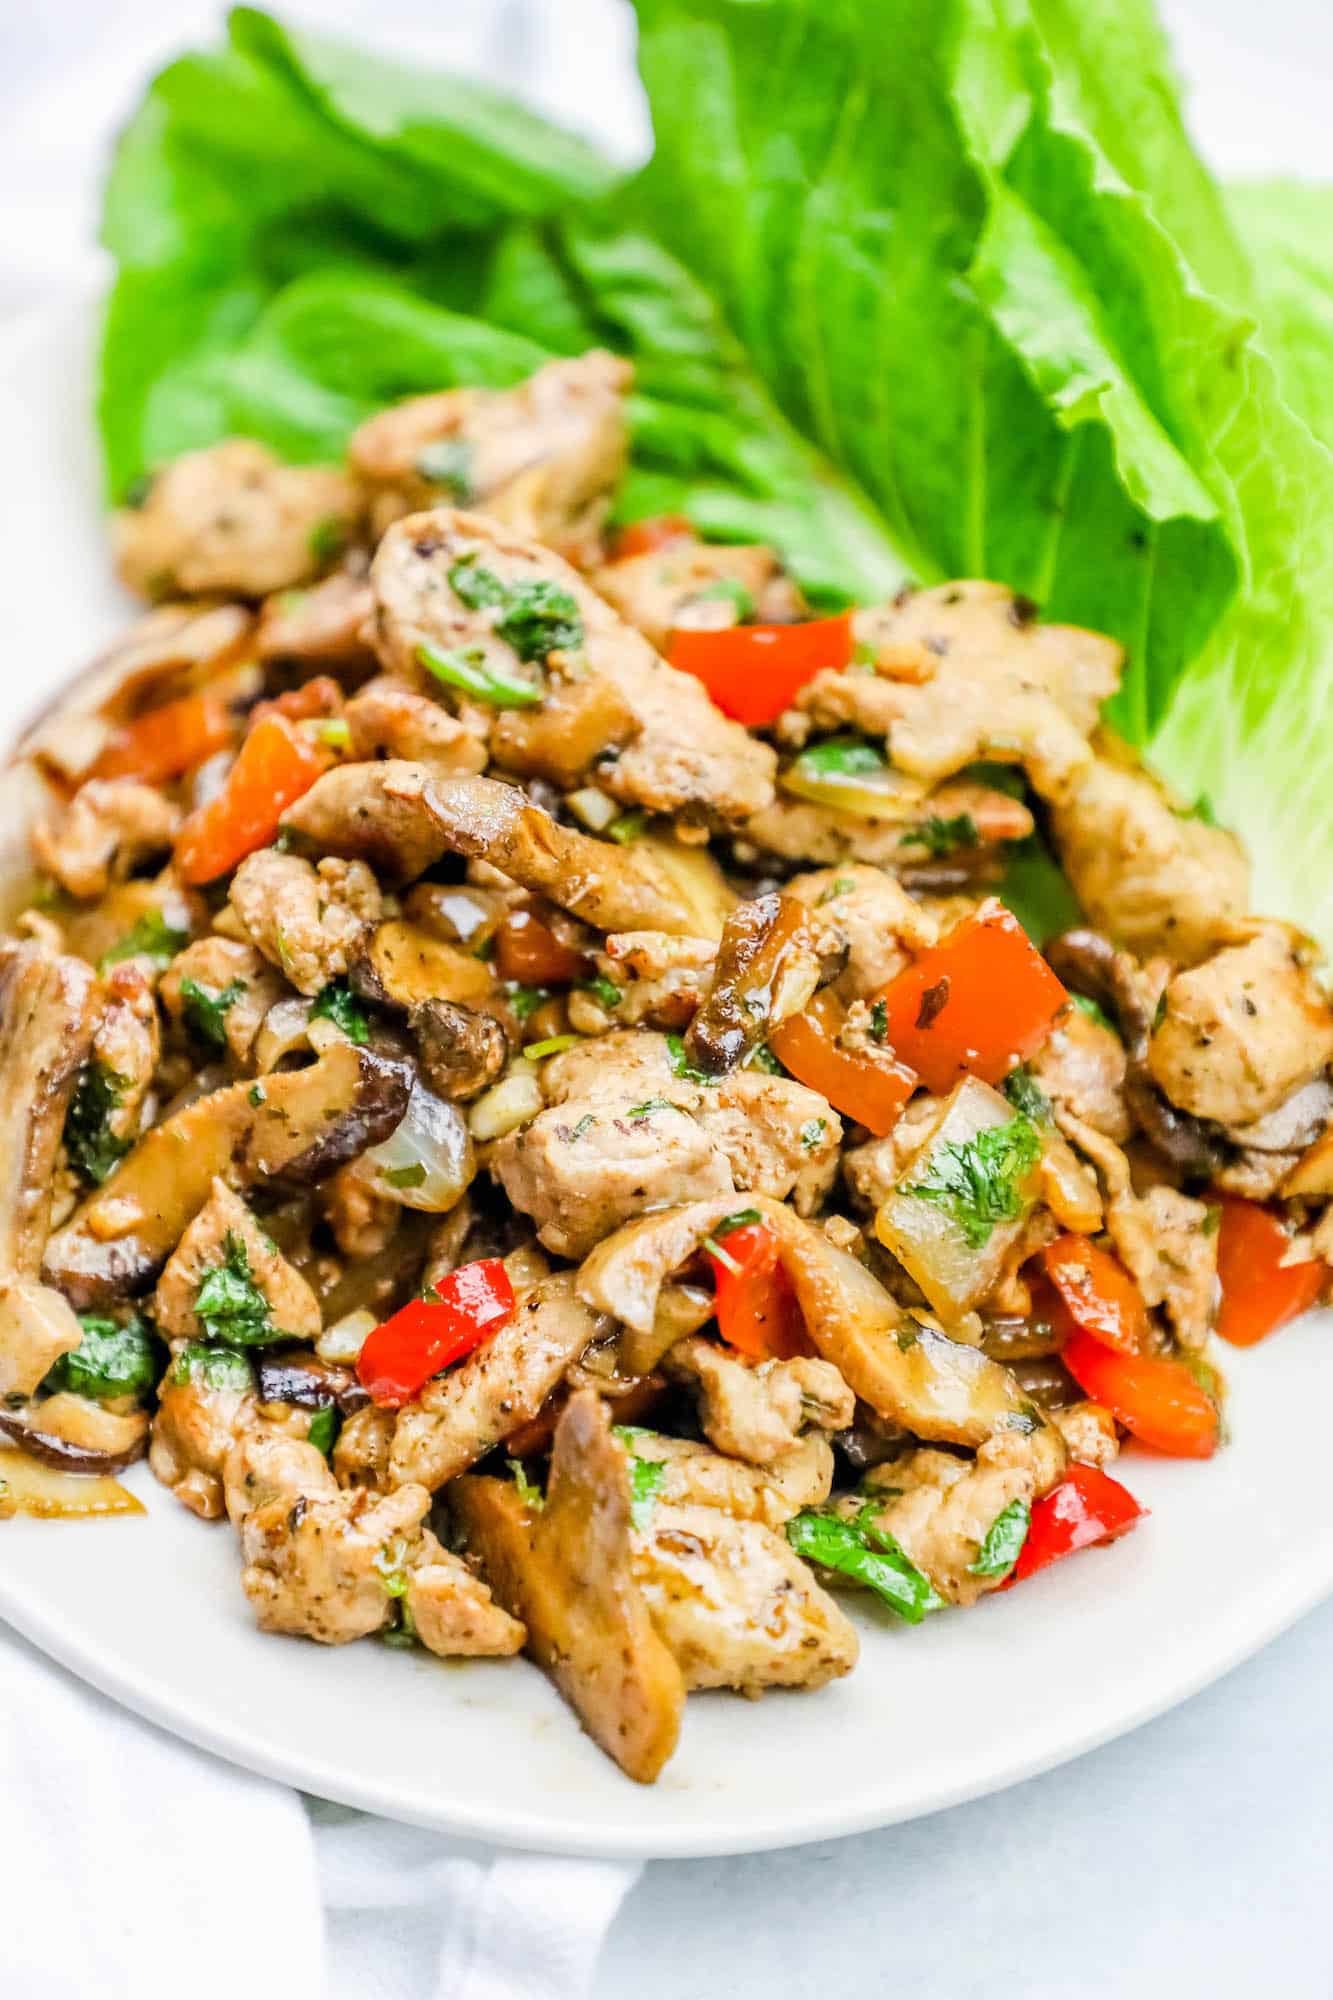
{"x": 943, "y": 291}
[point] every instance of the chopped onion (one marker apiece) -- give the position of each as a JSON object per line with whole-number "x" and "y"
{"x": 29, "y": 1488}
{"x": 594, "y": 808}
{"x": 427, "y": 1161}
{"x": 506, "y": 1105}
{"x": 852, "y": 776}
{"x": 342, "y": 1342}
{"x": 284, "y": 1030}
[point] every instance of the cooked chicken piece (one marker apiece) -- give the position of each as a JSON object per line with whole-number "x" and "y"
{"x": 47, "y": 1012}
{"x": 459, "y": 1416}
{"x": 702, "y": 586}
{"x": 736, "y": 1605}
{"x": 685, "y": 756}
{"x": 1089, "y": 1433}
{"x": 224, "y": 1233}
{"x": 37, "y": 1326}
{"x": 694, "y": 1475}
{"x": 628, "y": 1276}
{"x": 401, "y": 820}
{"x": 388, "y": 718}
{"x": 779, "y": 1138}
{"x": 577, "y": 724}
{"x": 361, "y": 1453}
{"x": 1164, "y": 1238}
{"x": 1239, "y": 1033}
{"x": 983, "y": 629}
{"x": 624, "y": 1064}
{"x": 661, "y": 979}
{"x": 799, "y": 830}
{"x": 127, "y": 1042}
{"x": 584, "y": 1167}
{"x": 452, "y": 1612}
{"x": 324, "y": 625}
{"x": 363, "y": 1221}
{"x": 219, "y": 965}
{"x": 233, "y": 518}
{"x": 569, "y": 1572}
{"x": 873, "y": 1171}
{"x": 202, "y": 1410}
{"x": 310, "y": 921}
{"x": 939, "y": 1508}
{"x": 109, "y": 826}
{"x": 1154, "y": 878}
{"x": 1081, "y": 1067}
{"x": 881, "y": 923}
{"x": 460, "y": 1050}
{"x": 543, "y": 457}
{"x": 757, "y": 1411}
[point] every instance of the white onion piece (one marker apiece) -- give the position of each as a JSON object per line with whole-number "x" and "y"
{"x": 342, "y": 1342}
{"x": 284, "y": 1030}
{"x": 427, "y": 1160}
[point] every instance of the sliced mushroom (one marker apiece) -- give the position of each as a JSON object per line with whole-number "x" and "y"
{"x": 29, "y": 1487}
{"x": 300, "y": 1377}
{"x": 37, "y": 1326}
{"x": 626, "y": 1276}
{"x": 47, "y": 1012}
{"x": 404, "y": 965}
{"x": 771, "y": 959}
{"x": 567, "y": 1573}
{"x": 76, "y": 1435}
{"x": 460, "y": 1051}
{"x": 401, "y": 819}
{"x": 293, "y": 1128}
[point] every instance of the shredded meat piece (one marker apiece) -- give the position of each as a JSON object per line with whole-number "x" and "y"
{"x": 939, "y": 1508}
{"x": 127, "y": 1042}
{"x": 292, "y": 1305}
{"x": 874, "y": 1170}
{"x": 779, "y": 1138}
{"x": 677, "y": 586}
{"x": 1090, "y": 1433}
{"x": 324, "y": 624}
{"x": 361, "y": 1453}
{"x": 798, "y": 830}
{"x": 310, "y": 921}
{"x": 1081, "y": 1066}
{"x": 37, "y": 1326}
{"x": 219, "y": 965}
{"x": 695, "y": 1475}
{"x": 543, "y": 457}
{"x": 758, "y": 1411}
{"x": 1238, "y": 1034}
{"x": 661, "y": 979}
{"x": 883, "y": 927}
{"x": 685, "y": 754}
{"x": 233, "y": 518}
{"x": 452, "y": 1612}
{"x": 363, "y": 1221}
{"x": 109, "y": 826}
{"x": 388, "y": 718}
{"x": 195, "y": 1426}
{"x": 1163, "y": 1238}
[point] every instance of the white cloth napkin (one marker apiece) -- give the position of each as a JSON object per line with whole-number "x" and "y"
{"x": 137, "y": 1868}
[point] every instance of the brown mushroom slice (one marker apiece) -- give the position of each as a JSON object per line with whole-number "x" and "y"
{"x": 567, "y": 1573}
{"x": 295, "y": 1127}
{"x": 771, "y": 960}
{"x": 575, "y": 723}
{"x": 46, "y": 1494}
{"x": 401, "y": 819}
{"x": 46, "y": 1025}
{"x": 37, "y": 1326}
{"x": 404, "y": 965}
{"x": 74, "y": 1434}
{"x": 460, "y": 1051}
{"x": 626, "y": 1276}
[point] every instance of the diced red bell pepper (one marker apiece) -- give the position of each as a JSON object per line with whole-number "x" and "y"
{"x": 1085, "y": 1508}
{"x": 755, "y": 1302}
{"x": 167, "y": 741}
{"x": 977, "y": 1004}
{"x": 274, "y": 766}
{"x": 400, "y": 1357}
{"x": 1097, "y": 1292}
{"x": 754, "y": 672}
{"x": 1155, "y": 1398}
{"x": 313, "y": 699}
{"x": 873, "y": 1091}
{"x": 1259, "y": 1292}
{"x": 528, "y": 950}
{"x": 643, "y": 538}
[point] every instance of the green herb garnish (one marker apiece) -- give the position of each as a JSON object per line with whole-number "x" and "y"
{"x": 229, "y": 1305}
{"x": 467, "y": 669}
{"x": 110, "y": 1360}
{"x": 628, "y": 827}
{"x": 328, "y": 538}
{"x": 868, "y": 1555}
{"x": 337, "y": 1003}
{"x": 204, "y": 1013}
{"x": 978, "y": 1181}
{"x": 681, "y": 1066}
{"x": 879, "y": 1020}
{"x": 1026, "y": 1095}
{"x": 554, "y": 1045}
{"x": 646, "y": 1476}
{"x": 323, "y": 1429}
{"x": 475, "y": 585}
{"x": 812, "y": 1132}
{"x": 528, "y": 1491}
{"x": 406, "y": 1177}
{"x": 604, "y": 991}
{"x": 525, "y": 1000}
{"x": 941, "y": 837}
{"x": 216, "y": 1367}
{"x": 1003, "y": 1540}
{"x": 537, "y": 617}
{"x": 841, "y": 757}
{"x": 645, "y": 1110}
{"x": 727, "y": 590}
{"x": 92, "y": 1146}
{"x": 1095, "y": 1012}
{"x": 151, "y": 937}
{"x": 447, "y": 464}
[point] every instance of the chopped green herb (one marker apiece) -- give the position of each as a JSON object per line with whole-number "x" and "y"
{"x": 645, "y": 1483}
{"x": 257, "y": 1096}
{"x": 93, "y": 1148}
{"x": 110, "y": 1360}
{"x": 552, "y": 1046}
{"x": 402, "y": 1633}
{"x": 762, "y": 1057}
{"x": 1003, "y": 1541}
{"x": 528, "y": 1492}
{"x": 391, "y": 1566}
{"x": 812, "y": 1132}
{"x": 335, "y": 730}
{"x": 337, "y": 1003}
{"x": 681, "y": 1065}
{"x": 728, "y": 591}
{"x": 525, "y": 1000}
{"x": 865, "y": 655}
{"x": 603, "y": 990}
{"x": 843, "y": 886}
{"x": 585, "y": 1124}
{"x": 204, "y": 1012}
{"x": 406, "y": 1177}
{"x": 1159, "y": 1012}
{"x": 323, "y": 1429}
{"x": 908, "y": 1336}
{"x": 137, "y": 492}
{"x": 879, "y": 1020}
{"x": 978, "y": 1181}
{"x": 475, "y": 585}
{"x": 1026, "y": 1095}
{"x": 868, "y": 1555}
{"x": 447, "y": 463}
{"x": 328, "y": 538}
{"x": 941, "y": 837}
{"x": 466, "y": 668}
{"x": 1212, "y": 1222}
{"x": 152, "y": 937}
{"x": 841, "y": 757}
{"x": 645, "y": 1110}
{"x": 628, "y": 827}
{"x": 1087, "y": 1005}
{"x": 229, "y": 1305}
{"x": 724, "y": 1257}
{"x": 216, "y": 1367}
{"x": 540, "y": 618}
{"x": 741, "y": 1218}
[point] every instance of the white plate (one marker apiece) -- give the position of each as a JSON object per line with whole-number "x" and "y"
{"x": 151, "y": 1611}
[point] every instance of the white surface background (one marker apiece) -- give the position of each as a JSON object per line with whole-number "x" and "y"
{"x": 1193, "y": 1857}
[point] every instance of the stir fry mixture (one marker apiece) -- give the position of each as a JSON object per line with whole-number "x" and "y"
{"x": 526, "y": 1100}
